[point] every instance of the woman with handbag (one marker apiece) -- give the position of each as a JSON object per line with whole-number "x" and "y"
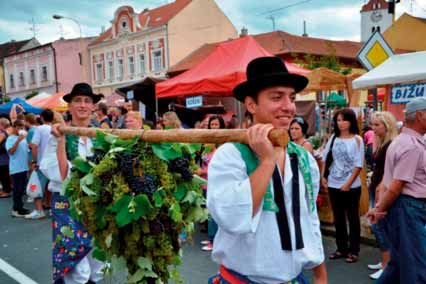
{"x": 344, "y": 158}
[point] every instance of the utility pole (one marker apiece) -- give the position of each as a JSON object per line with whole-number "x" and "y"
{"x": 273, "y": 22}
{"x": 33, "y": 27}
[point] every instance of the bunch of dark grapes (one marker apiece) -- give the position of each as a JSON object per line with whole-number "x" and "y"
{"x": 155, "y": 227}
{"x": 98, "y": 155}
{"x": 181, "y": 166}
{"x": 125, "y": 164}
{"x": 144, "y": 184}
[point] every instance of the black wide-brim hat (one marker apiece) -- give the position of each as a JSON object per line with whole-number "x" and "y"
{"x": 82, "y": 89}
{"x": 264, "y": 72}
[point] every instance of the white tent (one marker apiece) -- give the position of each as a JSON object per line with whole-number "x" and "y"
{"x": 41, "y": 95}
{"x": 398, "y": 69}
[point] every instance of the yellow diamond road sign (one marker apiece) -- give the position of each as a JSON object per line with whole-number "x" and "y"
{"x": 374, "y": 52}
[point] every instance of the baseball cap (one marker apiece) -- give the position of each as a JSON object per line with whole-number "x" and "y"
{"x": 415, "y": 105}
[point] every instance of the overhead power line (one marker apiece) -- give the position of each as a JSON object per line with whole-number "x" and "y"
{"x": 273, "y": 11}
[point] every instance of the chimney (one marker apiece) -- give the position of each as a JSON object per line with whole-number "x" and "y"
{"x": 102, "y": 29}
{"x": 244, "y": 32}
{"x": 304, "y": 29}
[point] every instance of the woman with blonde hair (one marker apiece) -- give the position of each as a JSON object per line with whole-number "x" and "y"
{"x": 171, "y": 120}
{"x": 133, "y": 120}
{"x": 385, "y": 130}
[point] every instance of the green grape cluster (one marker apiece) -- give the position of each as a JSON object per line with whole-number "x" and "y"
{"x": 153, "y": 235}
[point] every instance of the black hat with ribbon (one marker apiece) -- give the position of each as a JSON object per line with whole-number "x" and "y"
{"x": 264, "y": 72}
{"x": 82, "y": 89}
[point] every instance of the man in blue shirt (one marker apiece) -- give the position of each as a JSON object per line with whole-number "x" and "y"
{"x": 17, "y": 148}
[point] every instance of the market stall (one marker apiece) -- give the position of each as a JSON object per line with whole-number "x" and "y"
{"x": 403, "y": 76}
{"x": 214, "y": 78}
{"x": 219, "y": 72}
{"x": 54, "y": 102}
{"x": 5, "y": 108}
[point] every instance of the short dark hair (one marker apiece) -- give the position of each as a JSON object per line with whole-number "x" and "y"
{"x": 103, "y": 108}
{"x": 218, "y": 117}
{"x": 31, "y": 118}
{"x": 47, "y": 115}
{"x": 19, "y": 123}
{"x": 122, "y": 110}
{"x": 303, "y": 124}
{"x": 347, "y": 115}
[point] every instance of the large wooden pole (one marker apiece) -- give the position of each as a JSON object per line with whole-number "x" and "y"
{"x": 278, "y": 137}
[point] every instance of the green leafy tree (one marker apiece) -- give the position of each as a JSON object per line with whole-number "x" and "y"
{"x": 329, "y": 61}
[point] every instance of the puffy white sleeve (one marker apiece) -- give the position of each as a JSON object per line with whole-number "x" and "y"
{"x": 229, "y": 197}
{"x": 49, "y": 164}
{"x": 319, "y": 256}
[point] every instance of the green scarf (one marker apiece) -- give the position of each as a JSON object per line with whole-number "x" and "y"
{"x": 252, "y": 163}
{"x": 71, "y": 146}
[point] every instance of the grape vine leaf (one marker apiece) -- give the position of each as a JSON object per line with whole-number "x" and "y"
{"x": 111, "y": 139}
{"x": 175, "y": 213}
{"x": 167, "y": 151}
{"x": 190, "y": 197}
{"x": 99, "y": 254}
{"x": 145, "y": 263}
{"x": 143, "y": 206}
{"x": 121, "y": 203}
{"x": 82, "y": 165}
{"x": 158, "y": 198}
{"x": 121, "y": 206}
{"x": 193, "y": 148}
{"x": 124, "y": 217}
{"x": 180, "y": 192}
{"x": 99, "y": 142}
{"x": 118, "y": 264}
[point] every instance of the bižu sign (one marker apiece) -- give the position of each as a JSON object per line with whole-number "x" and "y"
{"x": 403, "y": 94}
{"x": 194, "y": 102}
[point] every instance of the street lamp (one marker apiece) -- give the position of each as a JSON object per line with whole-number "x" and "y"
{"x": 59, "y": 17}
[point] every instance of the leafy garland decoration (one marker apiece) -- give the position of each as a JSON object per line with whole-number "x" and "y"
{"x": 135, "y": 199}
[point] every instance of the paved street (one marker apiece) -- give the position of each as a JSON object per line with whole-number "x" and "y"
{"x": 25, "y": 245}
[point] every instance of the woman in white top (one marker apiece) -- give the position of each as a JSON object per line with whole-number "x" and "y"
{"x": 344, "y": 163}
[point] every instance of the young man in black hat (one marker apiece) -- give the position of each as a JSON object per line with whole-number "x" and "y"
{"x": 72, "y": 259}
{"x": 263, "y": 197}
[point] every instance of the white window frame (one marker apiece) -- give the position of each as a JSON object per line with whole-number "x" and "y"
{"x": 32, "y": 77}
{"x": 131, "y": 65}
{"x": 99, "y": 72}
{"x": 43, "y": 77}
{"x": 142, "y": 63}
{"x": 120, "y": 69}
{"x": 153, "y": 59}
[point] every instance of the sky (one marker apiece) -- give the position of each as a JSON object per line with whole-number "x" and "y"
{"x": 332, "y": 19}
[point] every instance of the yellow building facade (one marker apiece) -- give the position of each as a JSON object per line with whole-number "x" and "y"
{"x": 407, "y": 33}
